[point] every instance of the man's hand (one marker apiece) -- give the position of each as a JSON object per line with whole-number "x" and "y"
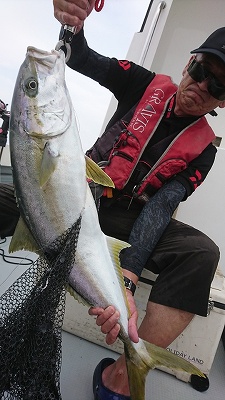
{"x": 72, "y": 12}
{"x": 108, "y": 320}
{"x": 132, "y": 323}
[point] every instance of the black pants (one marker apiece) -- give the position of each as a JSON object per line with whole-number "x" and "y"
{"x": 184, "y": 258}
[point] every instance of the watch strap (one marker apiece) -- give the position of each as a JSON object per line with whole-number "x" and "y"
{"x": 129, "y": 284}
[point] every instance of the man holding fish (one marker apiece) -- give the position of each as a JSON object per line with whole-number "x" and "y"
{"x": 142, "y": 151}
{"x": 184, "y": 258}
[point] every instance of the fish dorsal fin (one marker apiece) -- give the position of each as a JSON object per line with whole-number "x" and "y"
{"x": 22, "y": 239}
{"x": 76, "y": 295}
{"x": 48, "y": 165}
{"x": 96, "y": 174}
{"x": 115, "y": 246}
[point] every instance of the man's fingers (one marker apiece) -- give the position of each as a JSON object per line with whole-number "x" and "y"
{"x": 107, "y": 320}
{"x": 95, "y": 311}
{"x": 112, "y": 335}
{"x": 71, "y": 12}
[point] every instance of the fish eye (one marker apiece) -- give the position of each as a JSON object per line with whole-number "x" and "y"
{"x": 31, "y": 86}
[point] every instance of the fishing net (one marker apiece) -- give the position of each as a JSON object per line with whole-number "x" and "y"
{"x": 31, "y": 317}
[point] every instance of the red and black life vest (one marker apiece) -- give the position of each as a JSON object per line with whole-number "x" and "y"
{"x": 121, "y": 149}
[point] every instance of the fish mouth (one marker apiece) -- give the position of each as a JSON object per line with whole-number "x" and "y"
{"x": 44, "y": 57}
{"x": 42, "y": 64}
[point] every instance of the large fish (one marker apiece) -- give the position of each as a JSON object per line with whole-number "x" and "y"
{"x": 49, "y": 171}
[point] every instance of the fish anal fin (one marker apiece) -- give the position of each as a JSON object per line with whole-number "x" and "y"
{"x": 22, "y": 239}
{"x": 96, "y": 174}
{"x": 76, "y": 295}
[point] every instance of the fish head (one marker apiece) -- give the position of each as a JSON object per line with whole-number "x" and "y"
{"x": 41, "y": 103}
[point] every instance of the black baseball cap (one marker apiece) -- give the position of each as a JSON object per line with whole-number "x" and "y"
{"x": 215, "y": 44}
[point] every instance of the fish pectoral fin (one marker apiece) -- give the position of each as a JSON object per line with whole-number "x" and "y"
{"x": 96, "y": 174}
{"x": 48, "y": 165}
{"x": 163, "y": 357}
{"x": 22, "y": 239}
{"x": 76, "y": 295}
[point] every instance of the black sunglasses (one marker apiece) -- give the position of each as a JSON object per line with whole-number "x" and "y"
{"x": 199, "y": 73}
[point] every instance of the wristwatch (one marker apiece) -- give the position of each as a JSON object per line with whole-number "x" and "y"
{"x": 129, "y": 284}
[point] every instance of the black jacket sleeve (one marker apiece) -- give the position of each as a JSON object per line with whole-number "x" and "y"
{"x": 87, "y": 61}
{"x": 126, "y": 80}
{"x": 198, "y": 169}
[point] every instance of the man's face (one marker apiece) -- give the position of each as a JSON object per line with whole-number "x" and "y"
{"x": 193, "y": 97}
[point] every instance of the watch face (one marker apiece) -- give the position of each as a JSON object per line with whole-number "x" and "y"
{"x": 129, "y": 285}
{"x": 127, "y": 282}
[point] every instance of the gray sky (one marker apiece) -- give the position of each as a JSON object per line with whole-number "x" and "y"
{"x": 32, "y": 24}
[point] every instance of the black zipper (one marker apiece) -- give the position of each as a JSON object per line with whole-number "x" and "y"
{"x": 123, "y": 155}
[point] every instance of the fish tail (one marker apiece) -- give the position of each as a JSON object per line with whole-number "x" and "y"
{"x": 137, "y": 368}
{"x": 136, "y": 376}
{"x": 148, "y": 356}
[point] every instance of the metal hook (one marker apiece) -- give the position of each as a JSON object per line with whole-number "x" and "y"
{"x": 65, "y": 39}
